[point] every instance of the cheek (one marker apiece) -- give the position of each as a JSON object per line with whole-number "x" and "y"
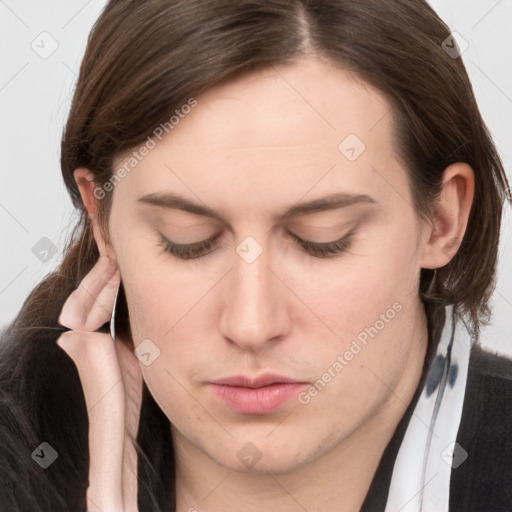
{"x": 156, "y": 313}
{"x": 158, "y": 291}
{"x": 166, "y": 306}
{"x": 351, "y": 293}
{"x": 366, "y": 302}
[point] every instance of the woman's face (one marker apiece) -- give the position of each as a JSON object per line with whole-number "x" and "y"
{"x": 262, "y": 155}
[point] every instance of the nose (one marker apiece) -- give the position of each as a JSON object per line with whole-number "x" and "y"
{"x": 255, "y": 311}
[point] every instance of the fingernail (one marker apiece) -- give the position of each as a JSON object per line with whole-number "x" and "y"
{"x": 110, "y": 264}
{"x": 114, "y": 277}
{"x": 62, "y": 344}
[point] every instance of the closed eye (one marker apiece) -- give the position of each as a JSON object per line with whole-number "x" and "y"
{"x": 203, "y": 248}
{"x": 327, "y": 249}
{"x": 188, "y": 251}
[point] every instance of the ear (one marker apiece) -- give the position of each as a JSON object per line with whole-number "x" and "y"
{"x": 85, "y": 181}
{"x": 451, "y": 216}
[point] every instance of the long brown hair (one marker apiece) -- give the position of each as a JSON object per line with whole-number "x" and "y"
{"x": 145, "y": 59}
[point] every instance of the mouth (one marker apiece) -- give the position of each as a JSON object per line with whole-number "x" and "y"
{"x": 256, "y": 395}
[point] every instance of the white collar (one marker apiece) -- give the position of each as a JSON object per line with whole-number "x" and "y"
{"x": 422, "y": 469}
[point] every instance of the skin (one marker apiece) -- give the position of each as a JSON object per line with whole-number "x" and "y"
{"x": 250, "y": 149}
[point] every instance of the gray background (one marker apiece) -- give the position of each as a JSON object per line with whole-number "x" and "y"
{"x": 35, "y": 92}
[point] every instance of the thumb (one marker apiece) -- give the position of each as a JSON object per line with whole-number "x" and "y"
{"x": 95, "y": 357}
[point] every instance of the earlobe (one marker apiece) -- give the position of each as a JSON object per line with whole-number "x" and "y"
{"x": 85, "y": 181}
{"x": 451, "y": 216}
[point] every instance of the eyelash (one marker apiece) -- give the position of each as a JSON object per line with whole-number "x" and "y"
{"x": 201, "y": 249}
{"x": 187, "y": 252}
{"x": 326, "y": 250}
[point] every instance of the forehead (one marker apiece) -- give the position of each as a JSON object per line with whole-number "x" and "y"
{"x": 293, "y": 128}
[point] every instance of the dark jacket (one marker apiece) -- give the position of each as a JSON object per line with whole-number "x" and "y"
{"x": 483, "y": 482}
{"x": 51, "y": 397}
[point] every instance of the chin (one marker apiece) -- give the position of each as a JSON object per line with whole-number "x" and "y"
{"x": 262, "y": 456}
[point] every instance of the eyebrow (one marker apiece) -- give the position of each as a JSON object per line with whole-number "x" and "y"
{"x": 330, "y": 202}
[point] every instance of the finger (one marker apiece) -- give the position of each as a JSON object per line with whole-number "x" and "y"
{"x": 95, "y": 357}
{"x": 91, "y": 304}
{"x": 98, "y": 238}
{"x": 103, "y": 306}
{"x": 133, "y": 385}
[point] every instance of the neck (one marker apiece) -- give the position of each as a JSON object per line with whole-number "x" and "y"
{"x": 339, "y": 480}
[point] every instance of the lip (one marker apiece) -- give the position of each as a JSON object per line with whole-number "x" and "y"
{"x": 256, "y": 395}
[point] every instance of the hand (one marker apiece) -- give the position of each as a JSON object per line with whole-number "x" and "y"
{"x": 112, "y": 383}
